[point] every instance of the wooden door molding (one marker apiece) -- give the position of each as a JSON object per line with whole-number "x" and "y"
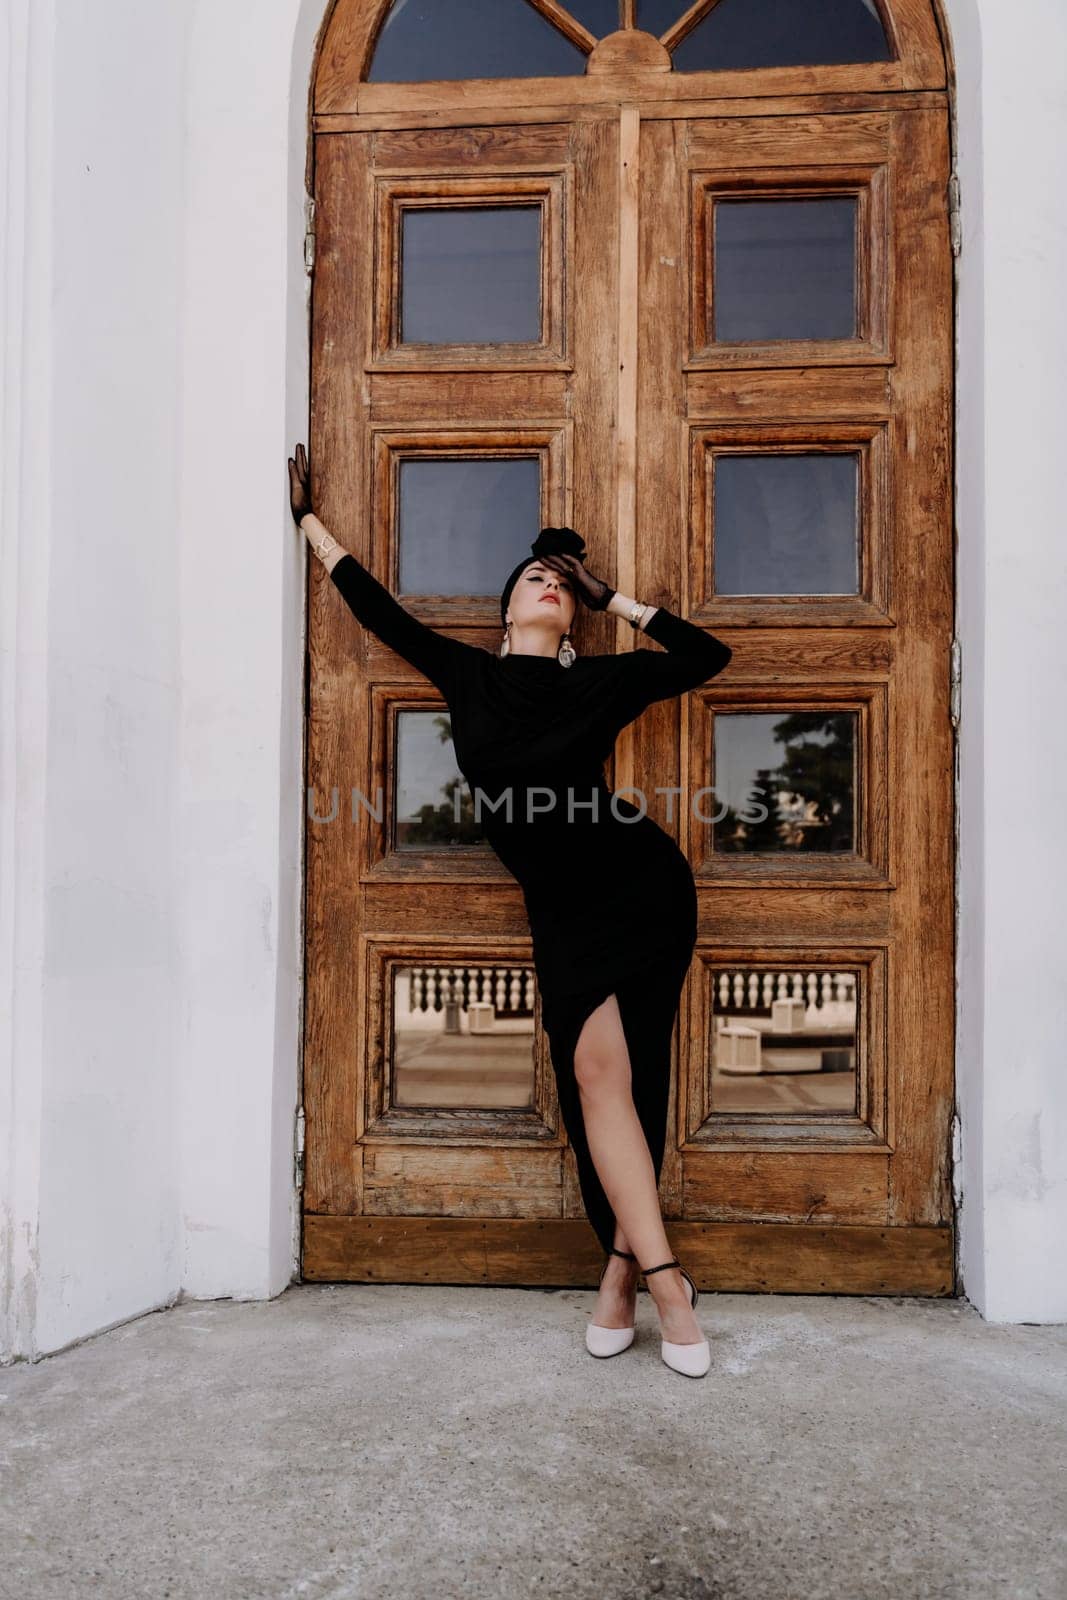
{"x": 735, "y": 1257}
{"x": 867, "y": 439}
{"x": 393, "y": 196}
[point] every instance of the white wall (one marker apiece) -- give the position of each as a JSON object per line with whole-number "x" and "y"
{"x": 241, "y": 592}
{"x": 155, "y": 342}
{"x": 1012, "y": 1071}
{"x": 90, "y": 665}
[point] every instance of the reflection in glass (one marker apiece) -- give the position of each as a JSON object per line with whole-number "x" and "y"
{"x": 434, "y": 806}
{"x": 779, "y": 33}
{"x": 786, "y": 524}
{"x": 470, "y": 275}
{"x": 785, "y": 269}
{"x": 464, "y": 521}
{"x": 783, "y": 782}
{"x": 783, "y": 1041}
{"x": 426, "y": 39}
{"x": 599, "y": 16}
{"x": 463, "y": 1036}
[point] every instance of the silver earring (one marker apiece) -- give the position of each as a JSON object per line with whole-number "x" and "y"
{"x": 506, "y": 646}
{"x": 566, "y": 652}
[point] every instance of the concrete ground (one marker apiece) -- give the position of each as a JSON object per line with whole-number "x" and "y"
{"x": 372, "y": 1441}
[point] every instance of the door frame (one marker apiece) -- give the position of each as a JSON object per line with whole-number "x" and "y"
{"x": 915, "y": 1259}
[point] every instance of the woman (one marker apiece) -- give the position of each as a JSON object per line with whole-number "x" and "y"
{"x": 610, "y": 898}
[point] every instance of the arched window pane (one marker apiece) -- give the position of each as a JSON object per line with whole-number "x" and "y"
{"x": 656, "y": 16}
{"x": 427, "y": 39}
{"x": 781, "y": 33}
{"x": 599, "y": 16}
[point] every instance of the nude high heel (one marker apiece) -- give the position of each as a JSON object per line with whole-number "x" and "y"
{"x": 692, "y": 1359}
{"x": 609, "y": 1341}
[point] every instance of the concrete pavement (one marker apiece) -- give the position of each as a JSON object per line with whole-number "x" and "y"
{"x": 373, "y": 1441}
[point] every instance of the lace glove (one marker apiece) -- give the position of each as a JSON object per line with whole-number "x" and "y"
{"x": 593, "y": 592}
{"x": 299, "y": 485}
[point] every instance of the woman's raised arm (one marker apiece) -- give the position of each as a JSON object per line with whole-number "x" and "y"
{"x": 433, "y": 654}
{"x": 691, "y": 656}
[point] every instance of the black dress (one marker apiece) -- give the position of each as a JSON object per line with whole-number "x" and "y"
{"x": 610, "y": 898}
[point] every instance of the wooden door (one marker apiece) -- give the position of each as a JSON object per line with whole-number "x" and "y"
{"x": 434, "y": 1142}
{"x": 794, "y": 494}
{"x": 737, "y": 387}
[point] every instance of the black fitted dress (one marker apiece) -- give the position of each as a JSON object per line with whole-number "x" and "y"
{"x": 610, "y": 898}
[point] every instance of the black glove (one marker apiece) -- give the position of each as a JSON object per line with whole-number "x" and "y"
{"x": 564, "y": 550}
{"x": 299, "y": 485}
{"x": 593, "y": 592}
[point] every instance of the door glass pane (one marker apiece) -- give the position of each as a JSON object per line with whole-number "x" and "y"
{"x": 463, "y": 1036}
{"x": 426, "y": 39}
{"x": 470, "y": 275}
{"x": 783, "y": 781}
{"x": 434, "y": 808}
{"x": 782, "y": 33}
{"x": 783, "y": 1040}
{"x": 463, "y": 522}
{"x": 786, "y": 524}
{"x": 599, "y": 16}
{"x": 785, "y": 269}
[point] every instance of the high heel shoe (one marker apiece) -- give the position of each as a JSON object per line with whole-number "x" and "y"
{"x": 609, "y": 1341}
{"x": 692, "y": 1359}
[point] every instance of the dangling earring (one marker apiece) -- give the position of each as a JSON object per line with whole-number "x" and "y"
{"x": 566, "y": 652}
{"x": 506, "y": 646}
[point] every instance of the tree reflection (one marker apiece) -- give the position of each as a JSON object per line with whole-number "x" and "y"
{"x": 806, "y": 801}
{"x": 444, "y": 822}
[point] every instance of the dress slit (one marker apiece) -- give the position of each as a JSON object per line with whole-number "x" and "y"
{"x": 648, "y": 1005}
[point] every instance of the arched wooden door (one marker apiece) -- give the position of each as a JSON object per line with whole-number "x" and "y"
{"x": 680, "y": 277}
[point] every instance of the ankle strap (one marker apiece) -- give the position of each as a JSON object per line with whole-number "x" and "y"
{"x": 624, "y": 1253}
{"x": 673, "y": 1262}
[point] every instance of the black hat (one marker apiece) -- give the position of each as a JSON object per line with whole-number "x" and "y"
{"x": 549, "y": 542}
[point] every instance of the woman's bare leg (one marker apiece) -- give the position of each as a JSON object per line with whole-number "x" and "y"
{"x": 620, "y": 1154}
